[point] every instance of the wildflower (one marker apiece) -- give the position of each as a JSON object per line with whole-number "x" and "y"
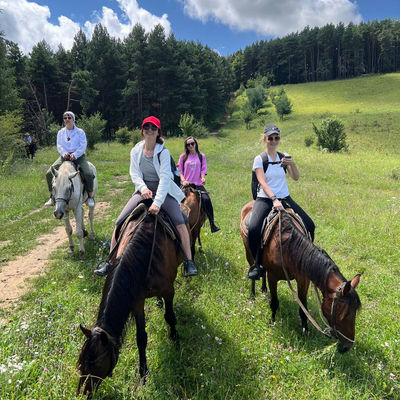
{"x": 227, "y": 263}
{"x": 80, "y": 276}
{"x": 273, "y": 377}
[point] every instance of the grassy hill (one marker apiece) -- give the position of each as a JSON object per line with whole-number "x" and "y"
{"x": 228, "y": 347}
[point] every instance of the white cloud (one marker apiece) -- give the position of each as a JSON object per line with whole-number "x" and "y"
{"x": 27, "y": 23}
{"x": 273, "y": 17}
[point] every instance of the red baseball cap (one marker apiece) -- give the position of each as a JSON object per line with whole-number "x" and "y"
{"x": 153, "y": 120}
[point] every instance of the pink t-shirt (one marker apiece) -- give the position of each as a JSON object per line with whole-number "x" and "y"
{"x": 191, "y": 170}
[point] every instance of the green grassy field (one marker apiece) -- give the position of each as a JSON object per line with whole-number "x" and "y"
{"x": 228, "y": 347}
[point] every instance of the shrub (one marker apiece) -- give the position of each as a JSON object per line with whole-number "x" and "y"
{"x": 247, "y": 115}
{"x": 123, "y": 135}
{"x": 12, "y": 147}
{"x": 308, "y": 140}
{"x": 190, "y": 127}
{"x": 257, "y": 97}
{"x": 94, "y": 128}
{"x": 136, "y": 136}
{"x": 283, "y": 106}
{"x": 331, "y": 135}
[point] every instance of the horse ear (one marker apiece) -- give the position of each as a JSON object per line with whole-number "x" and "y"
{"x": 346, "y": 288}
{"x": 72, "y": 174}
{"x": 355, "y": 281}
{"x": 54, "y": 171}
{"x": 87, "y": 332}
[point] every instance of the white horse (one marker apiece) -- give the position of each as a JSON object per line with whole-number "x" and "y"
{"x": 69, "y": 194}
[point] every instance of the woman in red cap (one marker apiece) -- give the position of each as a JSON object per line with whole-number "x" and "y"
{"x": 150, "y": 171}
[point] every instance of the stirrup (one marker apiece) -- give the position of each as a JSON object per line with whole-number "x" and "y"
{"x": 255, "y": 272}
{"x": 189, "y": 268}
{"x": 103, "y": 268}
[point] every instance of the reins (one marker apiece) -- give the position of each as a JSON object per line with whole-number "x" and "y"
{"x": 330, "y": 332}
{"x": 199, "y": 212}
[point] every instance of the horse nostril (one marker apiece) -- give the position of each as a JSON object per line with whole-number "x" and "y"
{"x": 343, "y": 348}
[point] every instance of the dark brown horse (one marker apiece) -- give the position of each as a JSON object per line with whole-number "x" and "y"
{"x": 195, "y": 212}
{"x": 147, "y": 268}
{"x": 288, "y": 248}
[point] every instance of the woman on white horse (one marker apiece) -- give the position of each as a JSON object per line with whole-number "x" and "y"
{"x": 71, "y": 144}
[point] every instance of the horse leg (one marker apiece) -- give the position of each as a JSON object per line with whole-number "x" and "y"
{"x": 302, "y": 289}
{"x": 200, "y": 245}
{"x": 264, "y": 284}
{"x": 79, "y": 228}
{"x": 253, "y": 289}
{"x": 91, "y": 220}
{"x": 141, "y": 339}
{"x": 169, "y": 315}
{"x": 273, "y": 302}
{"x": 68, "y": 229}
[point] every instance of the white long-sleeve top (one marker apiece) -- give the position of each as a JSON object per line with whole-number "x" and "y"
{"x": 71, "y": 141}
{"x": 166, "y": 184}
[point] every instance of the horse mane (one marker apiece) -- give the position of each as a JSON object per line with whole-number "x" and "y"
{"x": 189, "y": 188}
{"x": 311, "y": 260}
{"x": 124, "y": 283}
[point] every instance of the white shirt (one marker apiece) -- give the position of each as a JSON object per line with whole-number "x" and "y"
{"x": 275, "y": 176}
{"x": 166, "y": 184}
{"x": 71, "y": 141}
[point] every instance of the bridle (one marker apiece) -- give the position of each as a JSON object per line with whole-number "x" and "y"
{"x": 71, "y": 190}
{"x": 329, "y": 331}
{"x": 112, "y": 344}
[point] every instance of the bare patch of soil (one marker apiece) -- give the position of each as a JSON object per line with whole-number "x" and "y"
{"x": 15, "y": 274}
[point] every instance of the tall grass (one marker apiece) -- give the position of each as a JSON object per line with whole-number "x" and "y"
{"x": 228, "y": 348}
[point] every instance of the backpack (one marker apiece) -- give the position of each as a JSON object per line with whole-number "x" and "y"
{"x": 254, "y": 181}
{"x": 175, "y": 172}
{"x": 201, "y": 163}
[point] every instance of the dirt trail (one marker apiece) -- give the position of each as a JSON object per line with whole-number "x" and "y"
{"x": 15, "y": 274}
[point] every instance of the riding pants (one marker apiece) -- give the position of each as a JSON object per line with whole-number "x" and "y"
{"x": 207, "y": 205}
{"x": 262, "y": 207}
{"x": 170, "y": 206}
{"x": 80, "y": 162}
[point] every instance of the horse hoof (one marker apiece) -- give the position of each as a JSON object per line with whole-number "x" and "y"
{"x": 81, "y": 254}
{"x": 71, "y": 250}
{"x": 92, "y": 236}
{"x": 85, "y": 233}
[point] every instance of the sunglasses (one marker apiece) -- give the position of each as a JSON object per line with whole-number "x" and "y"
{"x": 190, "y": 144}
{"x": 67, "y": 117}
{"x": 271, "y": 138}
{"x": 148, "y": 127}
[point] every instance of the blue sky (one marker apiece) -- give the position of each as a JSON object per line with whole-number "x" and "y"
{"x": 224, "y": 25}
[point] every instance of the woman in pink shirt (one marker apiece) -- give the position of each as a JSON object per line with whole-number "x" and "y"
{"x": 193, "y": 166}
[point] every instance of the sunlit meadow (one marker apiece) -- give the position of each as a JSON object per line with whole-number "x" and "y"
{"x": 228, "y": 348}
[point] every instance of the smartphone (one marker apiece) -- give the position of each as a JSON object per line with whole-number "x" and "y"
{"x": 287, "y": 156}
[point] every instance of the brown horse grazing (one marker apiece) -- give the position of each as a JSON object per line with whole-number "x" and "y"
{"x": 147, "y": 268}
{"x": 288, "y": 248}
{"x": 195, "y": 212}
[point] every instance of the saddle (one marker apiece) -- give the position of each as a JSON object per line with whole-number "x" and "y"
{"x": 269, "y": 223}
{"x": 130, "y": 224}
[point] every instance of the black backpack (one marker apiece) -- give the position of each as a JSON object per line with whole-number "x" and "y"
{"x": 254, "y": 181}
{"x": 175, "y": 173}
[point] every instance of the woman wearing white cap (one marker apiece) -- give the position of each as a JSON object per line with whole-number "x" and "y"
{"x": 71, "y": 144}
{"x": 272, "y": 192}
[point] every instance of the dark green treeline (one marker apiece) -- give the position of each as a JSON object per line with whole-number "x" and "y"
{"x": 316, "y": 54}
{"x": 145, "y": 74}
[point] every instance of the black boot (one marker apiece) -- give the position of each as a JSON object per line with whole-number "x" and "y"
{"x": 189, "y": 268}
{"x": 255, "y": 272}
{"x": 214, "y": 228}
{"x": 103, "y": 268}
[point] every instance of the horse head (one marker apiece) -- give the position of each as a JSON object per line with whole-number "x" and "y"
{"x": 97, "y": 359}
{"x": 340, "y": 310}
{"x": 63, "y": 187}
